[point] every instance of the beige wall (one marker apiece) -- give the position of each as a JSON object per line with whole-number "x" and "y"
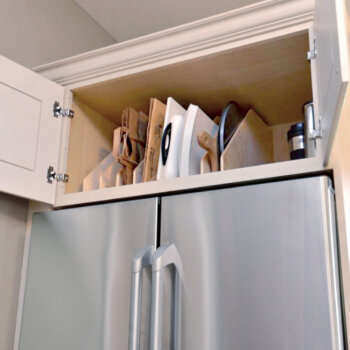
{"x": 33, "y": 32}
{"x": 126, "y": 20}
{"x": 13, "y": 217}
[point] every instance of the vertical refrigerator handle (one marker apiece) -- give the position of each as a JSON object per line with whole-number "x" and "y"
{"x": 165, "y": 256}
{"x": 141, "y": 259}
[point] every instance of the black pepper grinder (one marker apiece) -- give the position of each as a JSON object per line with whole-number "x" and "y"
{"x": 296, "y": 141}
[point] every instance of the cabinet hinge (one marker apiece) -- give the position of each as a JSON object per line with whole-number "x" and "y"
{"x": 311, "y": 54}
{"x": 312, "y": 132}
{"x": 315, "y": 134}
{"x": 59, "y": 111}
{"x": 52, "y": 175}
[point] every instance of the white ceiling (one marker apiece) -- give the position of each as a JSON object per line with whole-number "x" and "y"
{"x": 127, "y": 19}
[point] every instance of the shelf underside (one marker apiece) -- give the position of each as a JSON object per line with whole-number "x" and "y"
{"x": 272, "y": 77}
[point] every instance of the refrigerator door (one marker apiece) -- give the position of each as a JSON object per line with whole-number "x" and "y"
{"x": 259, "y": 268}
{"x": 77, "y": 294}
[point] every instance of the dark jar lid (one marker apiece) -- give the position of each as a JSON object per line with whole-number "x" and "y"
{"x": 295, "y": 130}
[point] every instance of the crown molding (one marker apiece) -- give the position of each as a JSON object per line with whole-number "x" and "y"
{"x": 260, "y": 21}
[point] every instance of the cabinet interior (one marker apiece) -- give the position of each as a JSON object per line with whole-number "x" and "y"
{"x": 272, "y": 77}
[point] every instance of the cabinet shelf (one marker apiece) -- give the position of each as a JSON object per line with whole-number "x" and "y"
{"x": 195, "y": 182}
{"x": 273, "y": 77}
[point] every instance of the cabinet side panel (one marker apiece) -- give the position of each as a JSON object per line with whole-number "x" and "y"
{"x": 339, "y": 161}
{"x": 90, "y": 140}
{"x": 13, "y": 212}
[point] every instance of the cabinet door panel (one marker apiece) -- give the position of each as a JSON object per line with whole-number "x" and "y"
{"x": 331, "y": 65}
{"x": 29, "y": 134}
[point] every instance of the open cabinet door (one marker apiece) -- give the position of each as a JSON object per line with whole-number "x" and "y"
{"x": 29, "y": 133}
{"x": 332, "y": 66}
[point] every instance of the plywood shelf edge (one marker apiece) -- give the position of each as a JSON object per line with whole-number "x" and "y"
{"x": 154, "y": 188}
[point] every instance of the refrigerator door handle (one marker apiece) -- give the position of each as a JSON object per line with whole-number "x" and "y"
{"x": 141, "y": 259}
{"x": 165, "y": 256}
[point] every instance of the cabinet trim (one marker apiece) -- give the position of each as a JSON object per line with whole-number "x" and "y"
{"x": 243, "y": 26}
{"x": 194, "y": 182}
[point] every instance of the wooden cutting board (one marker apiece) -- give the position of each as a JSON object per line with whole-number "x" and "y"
{"x": 154, "y": 138}
{"x": 252, "y": 144}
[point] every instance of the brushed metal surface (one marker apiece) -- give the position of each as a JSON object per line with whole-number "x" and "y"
{"x": 259, "y": 267}
{"x": 79, "y": 276}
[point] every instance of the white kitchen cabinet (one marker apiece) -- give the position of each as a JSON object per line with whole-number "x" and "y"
{"x": 256, "y": 55}
{"x": 29, "y": 135}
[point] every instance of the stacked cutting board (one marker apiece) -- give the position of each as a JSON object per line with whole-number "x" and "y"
{"x": 175, "y": 142}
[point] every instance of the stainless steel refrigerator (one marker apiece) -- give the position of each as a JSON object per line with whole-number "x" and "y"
{"x": 253, "y": 267}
